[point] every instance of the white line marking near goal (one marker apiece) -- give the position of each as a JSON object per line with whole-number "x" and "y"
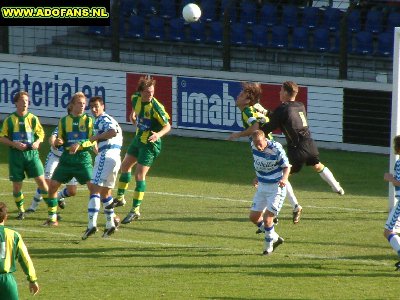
{"x": 189, "y": 196}
{"x": 206, "y": 247}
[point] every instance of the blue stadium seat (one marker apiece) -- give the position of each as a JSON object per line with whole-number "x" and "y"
{"x": 248, "y": 12}
{"x": 310, "y": 17}
{"x": 335, "y": 48}
{"x": 374, "y": 20}
{"x": 331, "y": 18}
{"x": 238, "y": 34}
{"x": 136, "y": 26}
{"x": 289, "y": 15}
{"x": 321, "y": 40}
{"x": 269, "y": 15}
{"x": 216, "y": 33}
{"x": 354, "y": 21}
{"x": 232, "y": 9}
{"x": 300, "y": 38}
{"x": 127, "y": 8}
{"x": 146, "y": 8}
{"x": 363, "y": 43}
{"x": 156, "y": 28}
{"x": 177, "y": 30}
{"x": 166, "y": 9}
{"x": 197, "y": 32}
{"x": 280, "y": 37}
{"x": 385, "y": 44}
{"x": 393, "y": 21}
{"x": 259, "y": 35}
{"x": 208, "y": 10}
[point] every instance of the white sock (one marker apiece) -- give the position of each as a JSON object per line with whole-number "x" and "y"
{"x": 36, "y": 200}
{"x": 291, "y": 196}
{"x": 109, "y": 213}
{"x": 394, "y": 241}
{"x": 93, "y": 210}
{"x": 270, "y": 236}
{"x": 327, "y": 175}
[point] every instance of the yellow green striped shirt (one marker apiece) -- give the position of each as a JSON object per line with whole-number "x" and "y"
{"x": 12, "y": 248}
{"x": 150, "y": 116}
{"x": 26, "y": 129}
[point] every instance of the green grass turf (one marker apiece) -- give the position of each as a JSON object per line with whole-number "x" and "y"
{"x": 194, "y": 240}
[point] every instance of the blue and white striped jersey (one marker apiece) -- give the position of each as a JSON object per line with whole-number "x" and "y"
{"x": 397, "y": 177}
{"x": 104, "y": 123}
{"x": 59, "y": 150}
{"x": 270, "y": 162}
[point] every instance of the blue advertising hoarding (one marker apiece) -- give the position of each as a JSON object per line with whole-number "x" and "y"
{"x": 207, "y": 104}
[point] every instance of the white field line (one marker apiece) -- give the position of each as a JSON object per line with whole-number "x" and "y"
{"x": 207, "y": 247}
{"x": 191, "y": 196}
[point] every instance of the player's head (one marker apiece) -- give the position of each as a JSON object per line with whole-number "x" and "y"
{"x": 3, "y": 212}
{"x": 21, "y": 100}
{"x": 77, "y": 104}
{"x": 259, "y": 140}
{"x": 396, "y": 144}
{"x": 253, "y": 91}
{"x": 96, "y": 104}
{"x": 146, "y": 87}
{"x": 288, "y": 91}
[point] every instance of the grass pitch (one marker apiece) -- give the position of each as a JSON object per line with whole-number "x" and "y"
{"x": 194, "y": 240}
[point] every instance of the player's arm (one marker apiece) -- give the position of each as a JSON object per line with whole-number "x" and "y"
{"x": 390, "y": 178}
{"x": 273, "y": 123}
{"x": 4, "y": 139}
{"x": 39, "y": 132}
{"x": 27, "y": 265}
{"x": 156, "y": 135}
{"x": 285, "y": 177}
{"x": 247, "y": 132}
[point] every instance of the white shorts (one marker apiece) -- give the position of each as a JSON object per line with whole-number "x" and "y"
{"x": 393, "y": 217}
{"x": 106, "y": 167}
{"x": 269, "y": 196}
{"x": 51, "y": 164}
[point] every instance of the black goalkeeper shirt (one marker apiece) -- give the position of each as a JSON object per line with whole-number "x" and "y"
{"x": 291, "y": 118}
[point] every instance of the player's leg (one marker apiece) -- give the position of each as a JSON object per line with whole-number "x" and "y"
{"x": 126, "y": 175}
{"x": 68, "y": 191}
{"x": 275, "y": 197}
{"x": 390, "y": 234}
{"x": 16, "y": 168}
{"x": 138, "y": 194}
{"x": 19, "y": 199}
{"x": 297, "y": 208}
{"x": 51, "y": 201}
{"x": 312, "y": 159}
{"x": 146, "y": 156}
{"x": 49, "y": 167}
{"x": 93, "y": 210}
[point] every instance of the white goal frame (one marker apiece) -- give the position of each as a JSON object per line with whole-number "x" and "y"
{"x": 395, "y": 122}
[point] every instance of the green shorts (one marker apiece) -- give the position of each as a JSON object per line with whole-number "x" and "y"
{"x": 144, "y": 153}
{"x": 24, "y": 162}
{"x": 78, "y": 165}
{"x": 8, "y": 287}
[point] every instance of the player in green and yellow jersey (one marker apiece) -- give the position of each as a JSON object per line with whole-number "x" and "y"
{"x": 152, "y": 122}
{"x": 23, "y": 133}
{"x": 74, "y": 132}
{"x": 13, "y": 249}
{"x": 252, "y": 120}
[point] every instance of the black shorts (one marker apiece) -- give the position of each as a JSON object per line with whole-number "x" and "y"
{"x": 305, "y": 153}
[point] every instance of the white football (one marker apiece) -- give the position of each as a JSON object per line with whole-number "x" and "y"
{"x": 191, "y": 12}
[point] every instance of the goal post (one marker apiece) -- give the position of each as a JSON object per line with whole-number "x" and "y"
{"x": 395, "y": 123}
